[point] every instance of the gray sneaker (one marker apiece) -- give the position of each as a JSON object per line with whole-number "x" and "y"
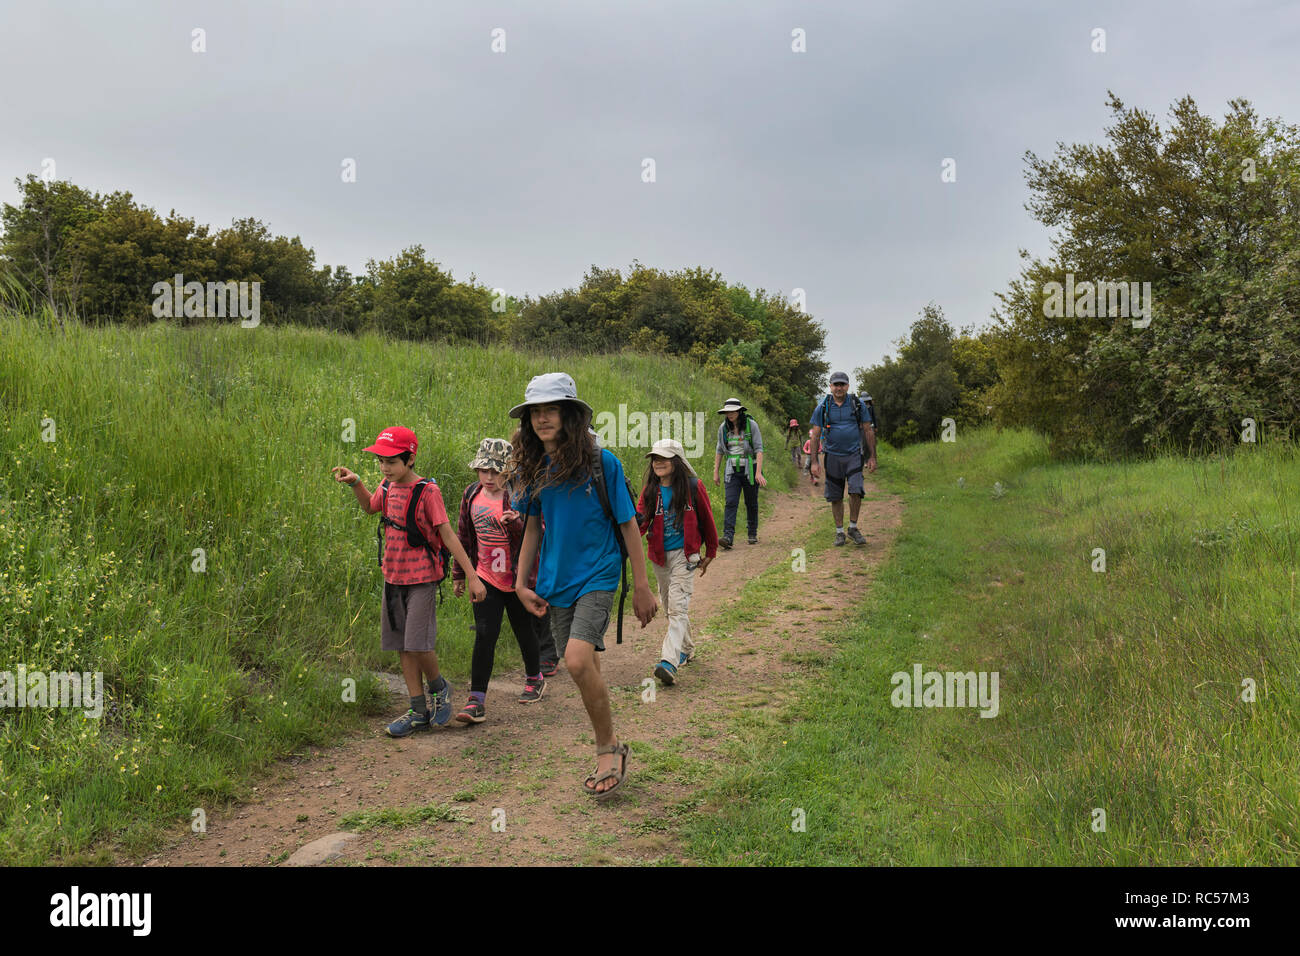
{"x": 839, "y": 538}
{"x": 856, "y": 535}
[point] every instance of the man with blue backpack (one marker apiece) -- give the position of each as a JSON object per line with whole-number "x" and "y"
{"x": 847, "y": 426}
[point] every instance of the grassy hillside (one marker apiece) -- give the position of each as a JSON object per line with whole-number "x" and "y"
{"x": 1120, "y": 690}
{"x": 167, "y": 441}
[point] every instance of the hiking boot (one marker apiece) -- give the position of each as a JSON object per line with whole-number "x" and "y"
{"x": 441, "y": 704}
{"x": 533, "y": 690}
{"x": 753, "y": 539}
{"x": 725, "y": 541}
{"x": 472, "y": 713}
{"x": 856, "y": 536}
{"x": 550, "y": 668}
{"x": 409, "y": 722}
{"x": 666, "y": 673}
{"x": 839, "y": 538}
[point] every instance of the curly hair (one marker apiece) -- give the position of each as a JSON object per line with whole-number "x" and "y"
{"x": 571, "y": 462}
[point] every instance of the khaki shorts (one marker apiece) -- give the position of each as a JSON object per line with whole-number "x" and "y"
{"x": 408, "y": 617}
{"x": 586, "y": 621}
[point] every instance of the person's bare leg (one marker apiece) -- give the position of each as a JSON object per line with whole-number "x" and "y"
{"x": 411, "y": 672}
{"x": 583, "y": 663}
{"x": 837, "y": 511}
{"x": 428, "y": 661}
{"x": 855, "y": 503}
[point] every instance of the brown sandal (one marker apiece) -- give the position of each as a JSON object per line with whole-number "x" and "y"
{"x": 617, "y": 776}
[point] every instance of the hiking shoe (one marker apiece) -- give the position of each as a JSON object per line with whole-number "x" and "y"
{"x": 441, "y": 703}
{"x": 472, "y": 713}
{"x": 409, "y": 722}
{"x": 839, "y": 538}
{"x": 666, "y": 673}
{"x": 856, "y": 536}
{"x": 725, "y": 541}
{"x": 533, "y": 690}
{"x": 685, "y": 658}
{"x": 753, "y": 539}
{"x": 550, "y": 668}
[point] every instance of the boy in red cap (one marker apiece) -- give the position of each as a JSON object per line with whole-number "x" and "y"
{"x": 409, "y": 617}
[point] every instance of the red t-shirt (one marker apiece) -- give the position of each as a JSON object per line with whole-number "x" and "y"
{"x": 404, "y": 564}
{"x": 494, "y": 564}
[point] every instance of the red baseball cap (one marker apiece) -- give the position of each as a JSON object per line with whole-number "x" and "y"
{"x": 393, "y": 441}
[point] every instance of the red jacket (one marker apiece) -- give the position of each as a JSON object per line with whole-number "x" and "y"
{"x": 469, "y": 538}
{"x": 697, "y": 523}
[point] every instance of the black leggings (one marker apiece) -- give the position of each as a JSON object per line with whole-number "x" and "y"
{"x": 487, "y": 628}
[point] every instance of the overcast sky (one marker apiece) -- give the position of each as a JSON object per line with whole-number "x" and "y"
{"x": 818, "y": 170}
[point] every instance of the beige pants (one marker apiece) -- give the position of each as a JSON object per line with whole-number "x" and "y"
{"x": 676, "y": 585}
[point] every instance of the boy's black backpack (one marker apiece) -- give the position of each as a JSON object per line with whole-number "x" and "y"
{"x": 598, "y": 476}
{"x": 414, "y": 536}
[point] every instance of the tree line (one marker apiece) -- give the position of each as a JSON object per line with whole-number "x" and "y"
{"x": 96, "y": 258}
{"x": 1166, "y": 315}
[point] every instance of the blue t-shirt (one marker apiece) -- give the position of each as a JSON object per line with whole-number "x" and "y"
{"x": 840, "y": 432}
{"x": 674, "y": 534}
{"x": 579, "y": 549}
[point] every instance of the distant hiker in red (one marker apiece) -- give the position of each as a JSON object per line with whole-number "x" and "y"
{"x": 492, "y": 533}
{"x": 678, "y": 522}
{"x": 415, "y": 539}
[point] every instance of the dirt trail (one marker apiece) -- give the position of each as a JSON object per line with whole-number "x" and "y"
{"x": 524, "y": 766}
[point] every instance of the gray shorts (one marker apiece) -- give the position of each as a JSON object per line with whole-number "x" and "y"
{"x": 587, "y": 620}
{"x": 838, "y": 468}
{"x": 408, "y": 617}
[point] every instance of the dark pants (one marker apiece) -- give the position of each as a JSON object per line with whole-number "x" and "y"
{"x": 487, "y": 628}
{"x": 545, "y": 639}
{"x": 735, "y": 484}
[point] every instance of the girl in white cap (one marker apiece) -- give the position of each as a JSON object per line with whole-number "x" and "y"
{"x": 677, "y": 521}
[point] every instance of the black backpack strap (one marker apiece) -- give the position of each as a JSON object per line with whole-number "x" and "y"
{"x": 383, "y": 520}
{"x": 598, "y": 476}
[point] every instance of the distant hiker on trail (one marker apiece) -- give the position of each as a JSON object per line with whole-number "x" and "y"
{"x": 869, "y": 406}
{"x": 492, "y": 533}
{"x": 842, "y": 417}
{"x": 792, "y": 437}
{"x": 807, "y": 458}
{"x": 677, "y": 523}
{"x": 412, "y": 520}
{"x": 740, "y": 441}
{"x": 583, "y": 496}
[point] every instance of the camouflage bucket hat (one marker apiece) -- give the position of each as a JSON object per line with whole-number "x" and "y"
{"x": 493, "y": 453}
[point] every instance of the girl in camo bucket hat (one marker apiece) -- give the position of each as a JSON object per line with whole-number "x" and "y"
{"x": 492, "y": 532}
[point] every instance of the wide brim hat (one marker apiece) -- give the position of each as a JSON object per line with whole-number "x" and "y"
{"x": 549, "y": 389}
{"x": 493, "y": 455}
{"x": 732, "y": 405}
{"x": 671, "y": 448}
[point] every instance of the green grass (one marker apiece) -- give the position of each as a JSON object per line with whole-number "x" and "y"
{"x": 168, "y": 440}
{"x": 1119, "y": 690}
{"x": 395, "y": 818}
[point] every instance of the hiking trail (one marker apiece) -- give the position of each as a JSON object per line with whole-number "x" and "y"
{"x": 523, "y": 768}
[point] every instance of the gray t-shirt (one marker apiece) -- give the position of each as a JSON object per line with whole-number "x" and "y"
{"x": 746, "y": 446}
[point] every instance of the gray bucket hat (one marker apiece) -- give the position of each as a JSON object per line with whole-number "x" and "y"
{"x": 732, "y": 405}
{"x": 547, "y": 390}
{"x": 493, "y": 454}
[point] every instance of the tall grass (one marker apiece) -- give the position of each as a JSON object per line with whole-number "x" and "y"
{"x": 221, "y": 439}
{"x": 1124, "y": 691}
